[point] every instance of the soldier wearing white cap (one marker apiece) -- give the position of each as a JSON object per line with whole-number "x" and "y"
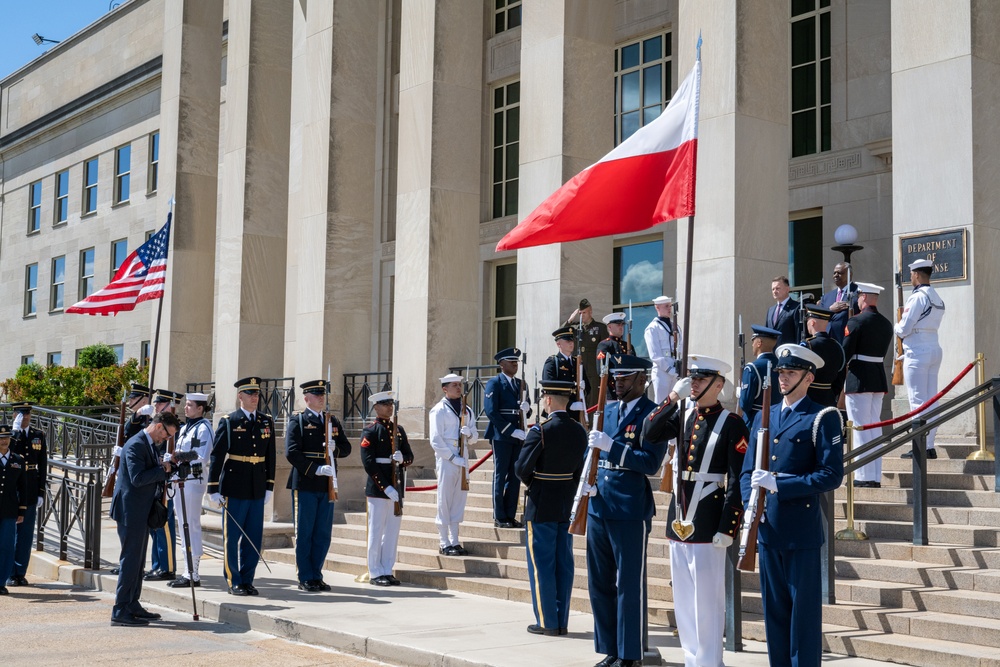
{"x": 869, "y": 336}
{"x": 662, "y": 343}
{"x": 614, "y": 345}
{"x": 918, "y": 329}
{"x": 196, "y": 435}
{"x": 452, "y": 430}
{"x": 704, "y": 517}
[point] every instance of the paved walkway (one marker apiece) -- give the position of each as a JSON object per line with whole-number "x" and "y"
{"x": 403, "y": 625}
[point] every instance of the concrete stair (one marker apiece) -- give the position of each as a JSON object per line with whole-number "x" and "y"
{"x": 920, "y": 605}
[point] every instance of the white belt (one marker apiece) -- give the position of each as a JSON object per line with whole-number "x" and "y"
{"x": 689, "y": 476}
{"x": 924, "y": 331}
{"x": 867, "y": 357}
{"x": 383, "y": 460}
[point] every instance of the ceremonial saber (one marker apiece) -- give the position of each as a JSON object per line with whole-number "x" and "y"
{"x": 252, "y": 545}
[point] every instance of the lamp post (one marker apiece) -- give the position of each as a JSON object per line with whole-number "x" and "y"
{"x": 846, "y": 236}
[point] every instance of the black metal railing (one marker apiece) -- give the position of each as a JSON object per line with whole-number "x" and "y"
{"x": 358, "y": 387}
{"x": 84, "y": 440}
{"x": 477, "y": 377}
{"x": 69, "y": 522}
{"x": 277, "y": 398}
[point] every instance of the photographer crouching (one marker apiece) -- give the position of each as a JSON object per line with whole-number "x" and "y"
{"x": 195, "y": 441}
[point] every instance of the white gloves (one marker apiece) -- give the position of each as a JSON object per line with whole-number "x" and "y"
{"x": 145, "y": 410}
{"x": 525, "y": 406}
{"x": 576, "y": 406}
{"x": 267, "y": 496}
{"x": 116, "y": 451}
{"x": 215, "y": 500}
{"x": 392, "y": 494}
{"x": 18, "y": 420}
{"x": 397, "y": 456}
{"x": 111, "y": 471}
{"x": 722, "y": 541}
{"x": 468, "y": 431}
{"x": 324, "y": 471}
{"x": 460, "y": 461}
{"x": 167, "y": 456}
{"x": 599, "y": 440}
{"x": 682, "y": 388}
{"x": 764, "y": 480}
{"x": 517, "y": 434}
{"x": 41, "y": 501}
{"x": 589, "y": 490}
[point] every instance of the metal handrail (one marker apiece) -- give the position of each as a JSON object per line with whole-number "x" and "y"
{"x": 73, "y": 505}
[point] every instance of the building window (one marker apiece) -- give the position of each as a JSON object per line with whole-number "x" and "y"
{"x": 143, "y": 354}
{"x": 62, "y": 197}
{"x": 86, "y": 273}
{"x": 30, "y": 289}
{"x": 153, "y": 172}
{"x": 643, "y": 83}
{"x": 119, "y": 251}
{"x": 149, "y": 234}
{"x": 805, "y": 255}
{"x": 506, "y": 131}
{"x": 119, "y": 352}
{"x": 34, "y": 207}
{"x": 638, "y": 279}
{"x": 90, "y": 186}
{"x": 54, "y": 359}
{"x": 506, "y": 15}
{"x": 504, "y": 305}
{"x": 58, "y": 283}
{"x": 810, "y": 27}
{"x": 123, "y": 170}
{"x": 27, "y": 359}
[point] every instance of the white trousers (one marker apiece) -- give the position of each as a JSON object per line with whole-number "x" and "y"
{"x": 698, "y": 573}
{"x": 383, "y": 536}
{"x": 194, "y": 492}
{"x": 663, "y": 381}
{"x": 865, "y": 409}
{"x": 921, "y": 363}
{"x": 450, "y": 502}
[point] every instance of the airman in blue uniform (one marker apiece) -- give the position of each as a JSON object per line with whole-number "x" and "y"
{"x": 506, "y": 409}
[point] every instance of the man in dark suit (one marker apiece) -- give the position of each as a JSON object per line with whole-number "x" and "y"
{"x": 807, "y": 460}
{"x": 841, "y": 301}
{"x": 620, "y": 515}
{"x": 550, "y": 465}
{"x": 140, "y": 482}
{"x": 784, "y": 314}
{"x": 505, "y": 406}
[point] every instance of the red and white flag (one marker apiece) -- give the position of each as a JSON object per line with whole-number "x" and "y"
{"x": 140, "y": 278}
{"x": 647, "y": 179}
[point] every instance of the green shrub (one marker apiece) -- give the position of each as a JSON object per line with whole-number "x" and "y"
{"x": 72, "y": 385}
{"x": 97, "y": 356}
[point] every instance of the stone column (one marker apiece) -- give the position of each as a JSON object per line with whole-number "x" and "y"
{"x": 189, "y": 168}
{"x": 946, "y": 148}
{"x": 741, "y": 221}
{"x": 437, "y": 220}
{"x": 568, "y": 46}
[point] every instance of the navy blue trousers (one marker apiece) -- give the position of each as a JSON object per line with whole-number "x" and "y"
{"x": 133, "y": 556}
{"x": 550, "y": 571}
{"x": 793, "y": 607}
{"x": 313, "y": 514}
{"x": 24, "y": 538}
{"x": 506, "y": 485}
{"x": 616, "y": 576}
{"x": 164, "y": 551}
{"x": 241, "y": 559}
{"x": 8, "y": 529}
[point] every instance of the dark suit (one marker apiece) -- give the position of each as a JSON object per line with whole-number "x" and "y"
{"x": 502, "y": 405}
{"x": 751, "y": 396}
{"x": 839, "y": 320}
{"x": 139, "y": 483}
{"x": 791, "y": 531}
{"x": 619, "y": 519}
{"x": 788, "y": 322}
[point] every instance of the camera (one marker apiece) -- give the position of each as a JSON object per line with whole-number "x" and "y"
{"x": 186, "y": 466}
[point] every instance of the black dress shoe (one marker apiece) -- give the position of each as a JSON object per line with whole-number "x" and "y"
{"x": 539, "y": 630}
{"x": 238, "y": 590}
{"x": 503, "y": 524}
{"x": 607, "y": 662}
{"x": 563, "y": 631}
{"x": 445, "y": 551}
{"x": 114, "y": 570}
{"x": 931, "y": 454}
{"x": 308, "y": 587}
{"x": 146, "y": 615}
{"x": 514, "y": 523}
{"x": 167, "y": 576}
{"x": 393, "y": 580}
{"x": 381, "y": 581}
{"x": 622, "y": 662}
{"x": 128, "y": 621}
{"x": 184, "y": 582}
{"x": 18, "y": 580}
{"x": 322, "y": 585}
{"x": 460, "y": 550}
{"x": 152, "y": 575}
{"x": 4, "y": 591}
{"x": 250, "y": 589}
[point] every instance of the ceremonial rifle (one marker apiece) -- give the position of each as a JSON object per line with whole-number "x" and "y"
{"x": 109, "y": 483}
{"x": 628, "y": 339}
{"x": 755, "y": 505}
{"x": 462, "y": 445}
{"x": 667, "y": 477}
{"x": 674, "y": 336}
{"x": 327, "y": 430}
{"x": 897, "y": 363}
{"x": 742, "y": 342}
{"x": 579, "y": 375}
{"x": 578, "y": 517}
{"x": 170, "y": 449}
{"x": 398, "y": 477}
{"x": 524, "y": 388}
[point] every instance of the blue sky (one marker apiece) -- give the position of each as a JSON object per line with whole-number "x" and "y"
{"x": 53, "y": 19}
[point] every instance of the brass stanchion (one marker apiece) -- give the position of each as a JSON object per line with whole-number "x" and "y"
{"x": 982, "y": 454}
{"x": 365, "y": 576}
{"x": 849, "y": 533}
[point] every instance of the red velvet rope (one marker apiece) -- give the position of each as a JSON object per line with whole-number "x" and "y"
{"x": 472, "y": 469}
{"x": 931, "y": 401}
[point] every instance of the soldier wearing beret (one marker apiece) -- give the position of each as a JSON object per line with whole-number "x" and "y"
{"x": 29, "y": 443}
{"x": 704, "y": 516}
{"x": 13, "y": 503}
{"x": 310, "y": 480}
{"x": 241, "y": 479}
{"x": 829, "y": 382}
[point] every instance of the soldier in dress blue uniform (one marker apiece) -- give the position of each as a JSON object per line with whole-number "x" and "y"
{"x": 162, "y": 545}
{"x": 550, "y": 466}
{"x": 705, "y": 513}
{"x": 807, "y": 460}
{"x": 13, "y": 503}
{"x": 29, "y": 444}
{"x": 614, "y": 344}
{"x": 506, "y": 409}
{"x": 620, "y": 516}
{"x": 829, "y": 383}
{"x": 562, "y": 365}
{"x": 377, "y": 457}
{"x": 762, "y": 342}
{"x": 310, "y": 479}
{"x": 241, "y": 478}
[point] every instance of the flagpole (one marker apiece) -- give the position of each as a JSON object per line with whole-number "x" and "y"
{"x": 687, "y": 297}
{"x": 159, "y": 315}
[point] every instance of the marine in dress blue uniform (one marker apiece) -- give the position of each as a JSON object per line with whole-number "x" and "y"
{"x": 310, "y": 479}
{"x": 29, "y": 444}
{"x": 550, "y": 466}
{"x": 806, "y": 461}
{"x": 163, "y": 546}
{"x": 242, "y": 477}
{"x": 829, "y": 383}
{"x": 506, "y": 409}
{"x": 705, "y": 513}
{"x": 614, "y": 344}
{"x": 620, "y": 516}
{"x": 762, "y": 342}
{"x": 561, "y": 366}
{"x": 13, "y": 502}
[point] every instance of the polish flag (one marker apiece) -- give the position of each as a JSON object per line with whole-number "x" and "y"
{"x": 647, "y": 179}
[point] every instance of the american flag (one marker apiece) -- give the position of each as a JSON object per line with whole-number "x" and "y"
{"x": 140, "y": 278}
